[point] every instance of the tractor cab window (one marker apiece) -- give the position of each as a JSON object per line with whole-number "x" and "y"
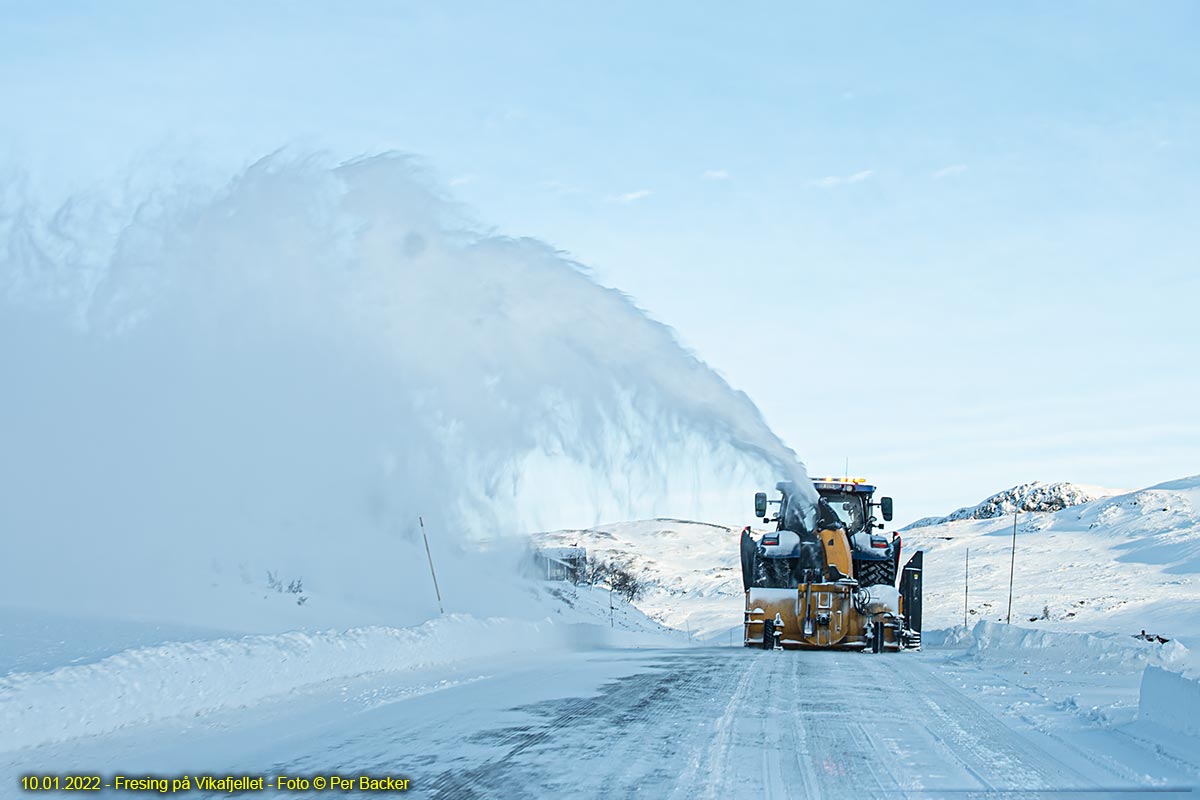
{"x": 848, "y": 508}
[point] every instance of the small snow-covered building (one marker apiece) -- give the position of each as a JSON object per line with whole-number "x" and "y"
{"x": 561, "y": 563}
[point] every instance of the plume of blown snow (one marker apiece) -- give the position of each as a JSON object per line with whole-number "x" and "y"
{"x": 280, "y": 373}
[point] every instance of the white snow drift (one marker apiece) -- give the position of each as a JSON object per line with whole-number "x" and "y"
{"x": 192, "y": 678}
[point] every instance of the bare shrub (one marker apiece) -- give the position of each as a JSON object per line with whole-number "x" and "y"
{"x": 616, "y": 576}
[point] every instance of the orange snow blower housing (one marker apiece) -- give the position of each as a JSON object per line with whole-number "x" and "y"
{"x": 824, "y": 578}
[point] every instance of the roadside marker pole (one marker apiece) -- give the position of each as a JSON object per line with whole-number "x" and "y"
{"x": 1011, "y": 565}
{"x": 431, "y": 572}
{"x": 966, "y": 584}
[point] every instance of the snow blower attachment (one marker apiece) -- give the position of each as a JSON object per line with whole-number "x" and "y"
{"x": 829, "y": 581}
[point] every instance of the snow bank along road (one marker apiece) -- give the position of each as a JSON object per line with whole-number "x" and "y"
{"x": 695, "y": 722}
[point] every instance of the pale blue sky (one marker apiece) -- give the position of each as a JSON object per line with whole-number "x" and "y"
{"x": 982, "y": 220}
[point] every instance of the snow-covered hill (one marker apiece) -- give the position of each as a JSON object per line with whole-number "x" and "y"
{"x": 1033, "y": 496}
{"x": 690, "y": 571}
{"x": 1121, "y": 563}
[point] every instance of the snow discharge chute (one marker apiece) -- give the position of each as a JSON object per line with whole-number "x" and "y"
{"x": 282, "y": 372}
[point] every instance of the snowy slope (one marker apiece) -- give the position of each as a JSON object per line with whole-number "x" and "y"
{"x": 1121, "y": 563}
{"x": 691, "y": 570}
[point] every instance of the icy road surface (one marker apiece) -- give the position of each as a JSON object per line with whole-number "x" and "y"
{"x": 690, "y": 723}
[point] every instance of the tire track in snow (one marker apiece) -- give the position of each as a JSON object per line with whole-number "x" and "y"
{"x": 999, "y": 758}
{"x": 712, "y": 765}
{"x": 724, "y": 722}
{"x": 702, "y": 723}
{"x": 628, "y": 739}
{"x": 732, "y": 722}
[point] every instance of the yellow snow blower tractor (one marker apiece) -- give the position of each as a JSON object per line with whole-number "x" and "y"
{"x": 825, "y": 578}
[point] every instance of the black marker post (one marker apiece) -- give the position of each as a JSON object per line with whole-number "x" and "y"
{"x": 431, "y": 572}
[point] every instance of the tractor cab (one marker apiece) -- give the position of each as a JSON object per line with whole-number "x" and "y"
{"x": 849, "y": 499}
{"x": 845, "y": 510}
{"x": 847, "y": 504}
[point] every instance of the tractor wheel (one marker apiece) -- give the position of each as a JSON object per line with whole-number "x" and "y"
{"x": 768, "y": 634}
{"x": 873, "y": 573}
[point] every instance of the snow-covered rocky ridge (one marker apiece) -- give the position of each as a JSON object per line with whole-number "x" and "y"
{"x": 1033, "y": 496}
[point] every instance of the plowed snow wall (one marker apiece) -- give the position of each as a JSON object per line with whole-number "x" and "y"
{"x": 1170, "y": 700}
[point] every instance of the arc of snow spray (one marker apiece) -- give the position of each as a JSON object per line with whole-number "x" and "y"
{"x": 428, "y": 555}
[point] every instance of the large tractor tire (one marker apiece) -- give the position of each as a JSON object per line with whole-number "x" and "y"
{"x": 874, "y": 573}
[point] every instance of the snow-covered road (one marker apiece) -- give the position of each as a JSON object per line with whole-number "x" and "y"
{"x": 695, "y": 722}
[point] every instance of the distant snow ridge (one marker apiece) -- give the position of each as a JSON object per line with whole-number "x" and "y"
{"x": 1033, "y": 496}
